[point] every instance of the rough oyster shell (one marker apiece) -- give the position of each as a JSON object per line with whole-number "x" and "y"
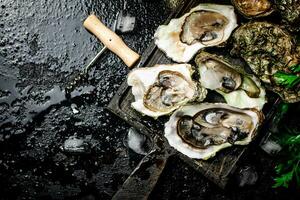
{"x": 267, "y": 49}
{"x": 239, "y": 89}
{"x": 253, "y": 9}
{"x": 200, "y": 131}
{"x": 161, "y": 89}
{"x": 290, "y": 12}
{"x": 205, "y": 25}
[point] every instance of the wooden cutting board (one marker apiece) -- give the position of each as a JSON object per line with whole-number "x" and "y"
{"x": 216, "y": 169}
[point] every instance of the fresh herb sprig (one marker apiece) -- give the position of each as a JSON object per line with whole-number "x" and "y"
{"x": 289, "y": 167}
{"x": 288, "y": 80}
{"x": 295, "y": 68}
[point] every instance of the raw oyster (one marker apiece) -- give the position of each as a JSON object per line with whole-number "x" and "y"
{"x": 205, "y": 25}
{"x": 268, "y": 50}
{"x": 200, "y": 131}
{"x": 161, "y": 89}
{"x": 238, "y": 88}
{"x": 253, "y": 9}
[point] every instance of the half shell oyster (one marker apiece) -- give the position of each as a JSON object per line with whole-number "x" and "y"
{"x": 161, "y": 89}
{"x": 205, "y": 25}
{"x": 239, "y": 89}
{"x": 200, "y": 131}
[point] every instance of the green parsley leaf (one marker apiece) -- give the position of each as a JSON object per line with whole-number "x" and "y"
{"x": 289, "y": 168}
{"x": 283, "y": 180}
{"x": 295, "y": 68}
{"x": 287, "y": 80}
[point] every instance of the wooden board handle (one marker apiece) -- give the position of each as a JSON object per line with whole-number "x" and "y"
{"x": 111, "y": 40}
{"x": 143, "y": 179}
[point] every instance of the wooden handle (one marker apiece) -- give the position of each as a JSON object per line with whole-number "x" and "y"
{"x": 139, "y": 185}
{"x": 111, "y": 40}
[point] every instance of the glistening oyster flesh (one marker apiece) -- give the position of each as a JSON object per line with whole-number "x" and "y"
{"x": 161, "y": 89}
{"x": 239, "y": 89}
{"x": 205, "y": 25}
{"x": 200, "y": 131}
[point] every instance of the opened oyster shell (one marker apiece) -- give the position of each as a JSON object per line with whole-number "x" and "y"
{"x": 205, "y": 25}
{"x": 238, "y": 88}
{"x": 161, "y": 89}
{"x": 267, "y": 49}
{"x": 200, "y": 131}
{"x": 253, "y": 9}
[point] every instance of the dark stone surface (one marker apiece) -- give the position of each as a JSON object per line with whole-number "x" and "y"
{"x": 43, "y": 45}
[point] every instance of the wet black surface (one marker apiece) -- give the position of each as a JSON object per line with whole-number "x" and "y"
{"x": 43, "y": 46}
{"x": 180, "y": 181}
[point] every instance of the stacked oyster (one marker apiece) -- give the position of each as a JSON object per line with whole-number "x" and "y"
{"x": 253, "y": 9}
{"x": 271, "y": 54}
{"x": 198, "y": 129}
{"x": 290, "y": 13}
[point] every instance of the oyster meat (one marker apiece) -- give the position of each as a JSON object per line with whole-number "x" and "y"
{"x": 267, "y": 49}
{"x": 239, "y": 89}
{"x": 253, "y": 8}
{"x": 200, "y": 131}
{"x": 161, "y": 89}
{"x": 205, "y": 25}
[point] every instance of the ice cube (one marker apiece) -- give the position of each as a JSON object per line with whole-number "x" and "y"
{"x": 75, "y": 145}
{"x": 247, "y": 176}
{"x": 74, "y": 108}
{"x": 270, "y": 146}
{"x": 125, "y": 22}
{"x": 137, "y": 142}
